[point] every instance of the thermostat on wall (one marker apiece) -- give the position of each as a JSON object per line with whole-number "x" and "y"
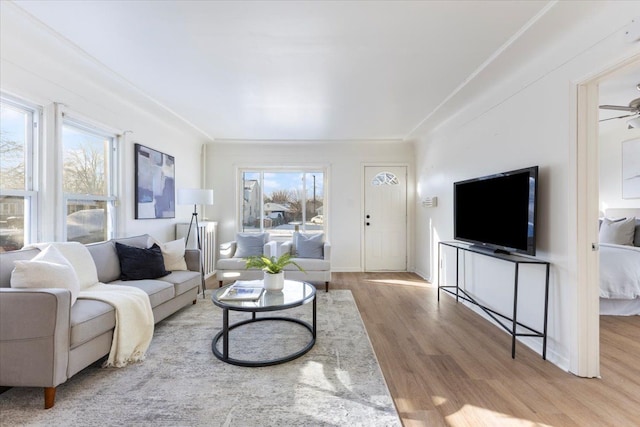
{"x": 430, "y": 202}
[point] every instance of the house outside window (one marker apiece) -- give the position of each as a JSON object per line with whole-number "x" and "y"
{"x": 282, "y": 201}
{"x": 88, "y": 181}
{"x": 19, "y": 130}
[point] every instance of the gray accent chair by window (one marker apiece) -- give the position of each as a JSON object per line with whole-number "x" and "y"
{"x": 231, "y": 265}
{"x": 311, "y": 252}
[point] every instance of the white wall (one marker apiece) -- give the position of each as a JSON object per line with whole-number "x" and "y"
{"x": 528, "y": 118}
{"x": 345, "y": 161}
{"x": 38, "y": 66}
{"x": 612, "y": 134}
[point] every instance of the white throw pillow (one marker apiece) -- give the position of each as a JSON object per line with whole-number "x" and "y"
{"x": 173, "y": 254}
{"x": 619, "y": 232}
{"x": 48, "y": 269}
{"x": 80, "y": 259}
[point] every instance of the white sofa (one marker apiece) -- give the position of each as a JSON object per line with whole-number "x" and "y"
{"x": 315, "y": 262}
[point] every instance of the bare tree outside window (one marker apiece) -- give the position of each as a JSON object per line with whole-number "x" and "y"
{"x": 12, "y": 162}
{"x": 13, "y": 136}
{"x": 85, "y": 183}
{"x": 83, "y": 170}
{"x": 290, "y": 201}
{"x": 16, "y": 133}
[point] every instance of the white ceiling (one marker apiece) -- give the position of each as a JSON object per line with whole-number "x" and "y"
{"x": 284, "y": 70}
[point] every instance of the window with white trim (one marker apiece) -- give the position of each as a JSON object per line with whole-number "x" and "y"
{"x": 282, "y": 201}
{"x": 18, "y": 197}
{"x": 88, "y": 181}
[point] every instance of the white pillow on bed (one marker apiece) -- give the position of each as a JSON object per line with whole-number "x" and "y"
{"x": 618, "y": 232}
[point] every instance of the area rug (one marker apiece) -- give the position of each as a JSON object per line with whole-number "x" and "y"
{"x": 181, "y": 382}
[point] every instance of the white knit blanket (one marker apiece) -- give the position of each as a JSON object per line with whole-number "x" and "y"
{"x": 134, "y": 321}
{"x": 134, "y": 318}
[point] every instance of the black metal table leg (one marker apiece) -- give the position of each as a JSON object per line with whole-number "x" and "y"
{"x": 515, "y": 314}
{"x": 314, "y": 319}
{"x": 225, "y": 332}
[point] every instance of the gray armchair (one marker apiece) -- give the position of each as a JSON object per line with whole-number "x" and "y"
{"x": 231, "y": 263}
{"x": 313, "y": 255}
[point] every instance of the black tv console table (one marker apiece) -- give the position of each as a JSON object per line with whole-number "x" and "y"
{"x": 501, "y": 319}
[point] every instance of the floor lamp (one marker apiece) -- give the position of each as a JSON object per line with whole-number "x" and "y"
{"x": 195, "y": 197}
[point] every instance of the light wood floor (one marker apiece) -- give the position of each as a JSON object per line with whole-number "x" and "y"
{"x": 446, "y": 366}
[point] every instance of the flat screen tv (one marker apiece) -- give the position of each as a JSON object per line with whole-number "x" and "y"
{"x": 498, "y": 212}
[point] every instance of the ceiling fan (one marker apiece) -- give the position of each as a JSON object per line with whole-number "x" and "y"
{"x": 633, "y": 108}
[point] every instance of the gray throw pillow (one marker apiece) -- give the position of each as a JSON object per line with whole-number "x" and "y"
{"x": 309, "y": 245}
{"x": 250, "y": 244}
{"x": 636, "y": 239}
{"x": 618, "y": 232}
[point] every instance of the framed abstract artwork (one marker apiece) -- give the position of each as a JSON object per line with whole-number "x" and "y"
{"x": 155, "y": 184}
{"x": 631, "y": 169}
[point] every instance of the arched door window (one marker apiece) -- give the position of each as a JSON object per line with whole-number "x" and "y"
{"x": 385, "y": 178}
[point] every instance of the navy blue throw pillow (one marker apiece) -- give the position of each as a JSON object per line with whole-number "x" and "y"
{"x": 139, "y": 263}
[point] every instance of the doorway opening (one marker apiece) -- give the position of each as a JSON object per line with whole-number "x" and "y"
{"x": 588, "y": 210}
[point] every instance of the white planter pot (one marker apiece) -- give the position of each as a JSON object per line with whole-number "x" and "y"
{"x": 273, "y": 298}
{"x": 273, "y": 282}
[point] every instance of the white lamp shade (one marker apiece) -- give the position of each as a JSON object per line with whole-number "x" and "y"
{"x": 634, "y": 123}
{"x": 195, "y": 196}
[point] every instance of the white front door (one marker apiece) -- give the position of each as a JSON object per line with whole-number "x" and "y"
{"x": 385, "y": 218}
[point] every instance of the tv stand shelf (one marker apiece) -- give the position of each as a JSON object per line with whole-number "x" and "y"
{"x": 510, "y": 324}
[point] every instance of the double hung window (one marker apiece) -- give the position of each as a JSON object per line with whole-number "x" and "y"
{"x": 19, "y": 132}
{"x": 88, "y": 181}
{"x": 282, "y": 201}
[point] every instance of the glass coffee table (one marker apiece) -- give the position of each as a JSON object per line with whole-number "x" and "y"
{"x": 294, "y": 294}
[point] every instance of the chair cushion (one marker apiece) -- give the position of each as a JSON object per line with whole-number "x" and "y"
{"x": 183, "y": 280}
{"x": 309, "y": 264}
{"x": 159, "y": 291}
{"x": 141, "y": 241}
{"x": 250, "y": 244}
{"x": 231, "y": 264}
{"x": 139, "y": 263}
{"x": 308, "y": 245}
{"x": 89, "y": 319}
{"x": 106, "y": 259}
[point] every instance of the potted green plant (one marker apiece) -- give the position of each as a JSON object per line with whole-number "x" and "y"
{"x": 273, "y": 269}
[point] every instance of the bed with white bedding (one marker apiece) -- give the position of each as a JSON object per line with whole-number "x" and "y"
{"x": 619, "y": 279}
{"x": 620, "y": 267}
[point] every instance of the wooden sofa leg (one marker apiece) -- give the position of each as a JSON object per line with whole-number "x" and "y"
{"x": 326, "y": 286}
{"x": 49, "y": 397}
